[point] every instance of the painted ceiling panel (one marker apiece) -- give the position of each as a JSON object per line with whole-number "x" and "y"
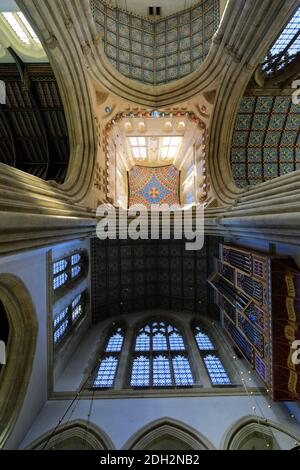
{"x": 266, "y": 141}
{"x": 161, "y": 50}
{"x": 149, "y": 186}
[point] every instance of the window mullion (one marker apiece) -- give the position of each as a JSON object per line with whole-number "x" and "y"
{"x": 197, "y": 365}
{"x": 123, "y": 366}
{"x": 170, "y": 357}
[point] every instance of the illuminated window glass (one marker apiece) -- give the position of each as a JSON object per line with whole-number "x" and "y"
{"x": 182, "y": 371}
{"x": 59, "y": 280}
{"x": 142, "y": 342}
{"x": 66, "y": 270}
{"x": 61, "y": 316}
{"x": 140, "y": 375}
{"x": 60, "y": 331}
{"x": 176, "y": 342}
{"x": 161, "y": 372}
{"x": 65, "y": 320}
{"x": 76, "y": 301}
{"x": 59, "y": 266}
{"x": 213, "y": 364}
{"x": 75, "y": 271}
{"x": 106, "y": 373}
{"x": 159, "y": 365}
{"x": 109, "y": 361}
{"x": 285, "y": 48}
{"x": 159, "y": 342}
{"x": 77, "y": 312}
{"x": 21, "y": 27}
{"x": 75, "y": 259}
{"x": 115, "y": 342}
{"x": 216, "y": 371}
{"x": 203, "y": 341}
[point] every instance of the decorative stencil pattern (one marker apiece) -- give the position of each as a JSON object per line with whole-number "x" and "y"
{"x": 266, "y": 141}
{"x": 157, "y": 51}
{"x": 148, "y": 185}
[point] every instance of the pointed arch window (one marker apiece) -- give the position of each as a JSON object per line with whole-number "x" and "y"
{"x": 68, "y": 318}
{"x": 107, "y": 368}
{"x": 286, "y": 47}
{"x": 160, "y": 358}
{"x": 211, "y": 359}
{"x": 67, "y": 270}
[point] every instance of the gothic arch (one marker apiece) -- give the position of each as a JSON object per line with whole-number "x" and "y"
{"x": 175, "y": 430}
{"x": 77, "y": 433}
{"x": 250, "y": 426}
{"x": 23, "y": 330}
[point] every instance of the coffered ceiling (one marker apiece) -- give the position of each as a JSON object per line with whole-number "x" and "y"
{"x": 136, "y": 275}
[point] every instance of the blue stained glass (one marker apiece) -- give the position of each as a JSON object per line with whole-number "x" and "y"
{"x": 59, "y": 280}
{"x": 203, "y": 341}
{"x": 66, "y": 269}
{"x": 216, "y": 371}
{"x": 157, "y": 370}
{"x": 115, "y": 343}
{"x": 161, "y": 372}
{"x": 106, "y": 373}
{"x": 58, "y": 334}
{"x": 75, "y": 259}
{"x": 59, "y": 318}
{"x": 76, "y": 301}
{"x": 77, "y": 312}
{"x": 182, "y": 371}
{"x": 142, "y": 342}
{"x": 59, "y": 266}
{"x": 64, "y": 321}
{"x": 75, "y": 271}
{"x": 159, "y": 342}
{"x": 140, "y": 375}
{"x": 176, "y": 342}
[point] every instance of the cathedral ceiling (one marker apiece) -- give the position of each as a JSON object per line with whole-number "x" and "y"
{"x": 149, "y": 186}
{"x": 138, "y": 275}
{"x": 157, "y": 52}
{"x": 33, "y": 131}
{"x": 266, "y": 140}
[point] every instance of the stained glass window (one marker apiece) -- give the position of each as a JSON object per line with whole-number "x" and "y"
{"x": 115, "y": 342}
{"x": 182, "y": 371}
{"x": 216, "y": 371}
{"x": 161, "y": 371}
{"x": 140, "y": 375}
{"x": 156, "y": 362}
{"x": 285, "y": 48}
{"x": 66, "y": 270}
{"x": 109, "y": 361}
{"x": 59, "y": 280}
{"x": 106, "y": 373}
{"x": 65, "y": 320}
{"x": 213, "y": 363}
{"x": 202, "y": 339}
